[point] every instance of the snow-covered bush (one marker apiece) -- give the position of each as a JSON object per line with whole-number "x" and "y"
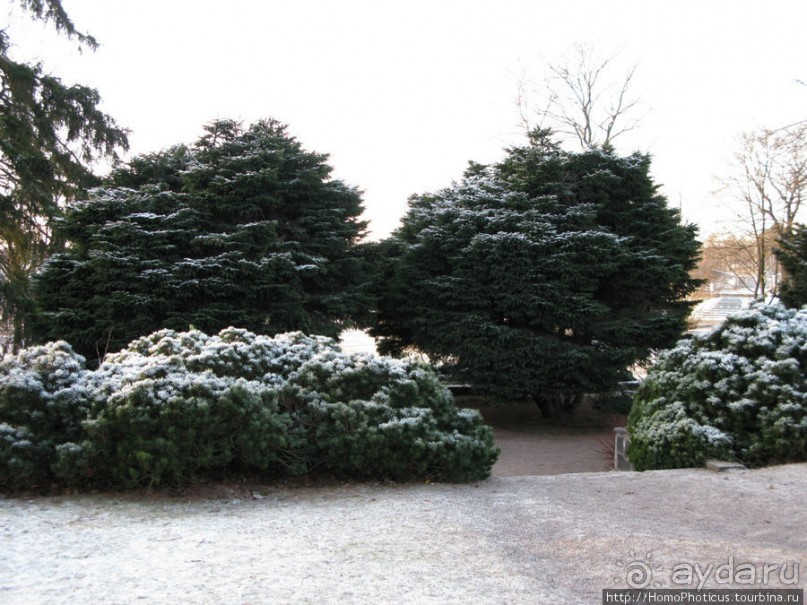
{"x": 174, "y": 407}
{"x": 176, "y": 426}
{"x": 42, "y": 409}
{"x": 738, "y": 393}
{"x": 379, "y": 417}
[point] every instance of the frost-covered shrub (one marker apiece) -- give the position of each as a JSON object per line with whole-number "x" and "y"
{"x": 42, "y": 409}
{"x": 738, "y": 393}
{"x": 180, "y": 426}
{"x": 24, "y": 459}
{"x": 379, "y": 417}
{"x": 175, "y": 407}
{"x": 232, "y": 352}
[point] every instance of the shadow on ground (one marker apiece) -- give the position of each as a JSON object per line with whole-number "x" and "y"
{"x": 533, "y": 445}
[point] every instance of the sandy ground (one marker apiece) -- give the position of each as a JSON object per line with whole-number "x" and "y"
{"x": 519, "y": 537}
{"x": 531, "y": 445}
{"x": 547, "y": 539}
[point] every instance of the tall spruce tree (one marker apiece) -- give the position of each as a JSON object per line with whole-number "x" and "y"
{"x": 50, "y": 135}
{"x": 245, "y": 228}
{"x": 546, "y": 275}
{"x": 792, "y": 254}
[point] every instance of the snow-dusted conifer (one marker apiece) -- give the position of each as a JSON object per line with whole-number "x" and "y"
{"x": 244, "y": 229}
{"x": 792, "y": 253}
{"x": 546, "y": 275}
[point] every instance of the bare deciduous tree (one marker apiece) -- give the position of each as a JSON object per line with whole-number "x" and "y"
{"x": 579, "y": 100}
{"x": 729, "y": 261}
{"x": 769, "y": 187}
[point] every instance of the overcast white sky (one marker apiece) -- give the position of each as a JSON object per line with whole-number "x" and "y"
{"x": 403, "y": 94}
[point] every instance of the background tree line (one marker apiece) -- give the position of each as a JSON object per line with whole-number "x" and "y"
{"x": 767, "y": 187}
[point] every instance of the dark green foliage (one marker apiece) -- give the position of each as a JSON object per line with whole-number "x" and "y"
{"x": 162, "y": 169}
{"x": 377, "y": 418}
{"x": 50, "y": 135}
{"x": 42, "y": 411}
{"x": 175, "y": 408}
{"x": 245, "y": 228}
{"x": 157, "y": 432}
{"x": 617, "y": 402}
{"x": 792, "y": 254}
{"x": 546, "y": 275}
{"x": 52, "y": 10}
{"x": 739, "y": 393}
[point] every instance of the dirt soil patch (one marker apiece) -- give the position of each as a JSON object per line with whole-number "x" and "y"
{"x": 533, "y": 445}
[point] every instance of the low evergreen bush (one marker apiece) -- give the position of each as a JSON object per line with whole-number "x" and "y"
{"x": 179, "y": 407}
{"x": 738, "y": 393}
{"x": 42, "y": 410}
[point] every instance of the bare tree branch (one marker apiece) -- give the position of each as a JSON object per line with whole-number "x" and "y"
{"x": 581, "y": 102}
{"x": 769, "y": 186}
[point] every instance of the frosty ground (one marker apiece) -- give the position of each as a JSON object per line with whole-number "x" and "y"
{"x": 528, "y": 539}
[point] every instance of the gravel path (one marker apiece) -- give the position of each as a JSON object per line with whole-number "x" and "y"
{"x": 548, "y": 539}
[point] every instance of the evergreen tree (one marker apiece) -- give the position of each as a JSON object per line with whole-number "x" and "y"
{"x": 792, "y": 254}
{"x": 50, "y": 135}
{"x": 546, "y": 275}
{"x": 243, "y": 229}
